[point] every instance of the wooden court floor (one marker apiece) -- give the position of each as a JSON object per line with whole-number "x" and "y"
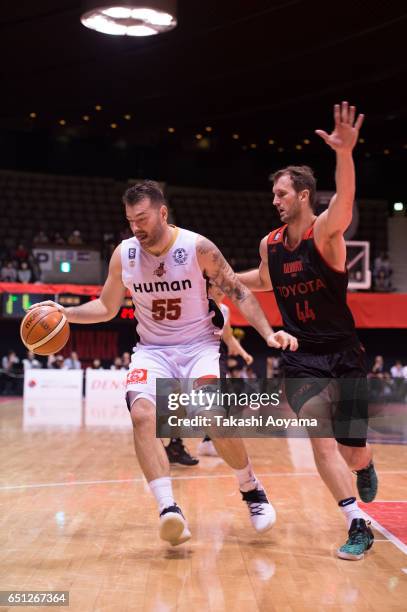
{"x": 76, "y": 515}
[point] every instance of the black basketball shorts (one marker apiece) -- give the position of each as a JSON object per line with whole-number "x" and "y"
{"x": 345, "y": 371}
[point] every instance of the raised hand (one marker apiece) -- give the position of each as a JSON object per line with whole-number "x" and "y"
{"x": 346, "y": 131}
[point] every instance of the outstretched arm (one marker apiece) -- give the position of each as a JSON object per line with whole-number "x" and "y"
{"x": 106, "y": 306}
{"x": 337, "y": 218}
{"x": 215, "y": 267}
{"x": 258, "y": 279}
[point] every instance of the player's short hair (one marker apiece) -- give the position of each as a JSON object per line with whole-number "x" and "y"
{"x": 302, "y": 177}
{"x": 146, "y": 189}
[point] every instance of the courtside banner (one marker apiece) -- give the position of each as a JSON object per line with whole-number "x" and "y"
{"x": 348, "y": 409}
{"x": 105, "y": 403}
{"x": 58, "y": 384}
{"x": 52, "y": 412}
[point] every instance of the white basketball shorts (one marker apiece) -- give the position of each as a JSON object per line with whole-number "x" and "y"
{"x": 175, "y": 362}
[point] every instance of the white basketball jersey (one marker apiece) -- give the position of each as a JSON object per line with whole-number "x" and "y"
{"x": 169, "y": 293}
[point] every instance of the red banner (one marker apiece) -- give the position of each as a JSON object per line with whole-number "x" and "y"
{"x": 377, "y": 310}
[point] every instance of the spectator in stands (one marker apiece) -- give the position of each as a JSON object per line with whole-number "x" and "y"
{"x": 10, "y": 361}
{"x": 58, "y": 239}
{"x": 24, "y": 274}
{"x": 399, "y": 383}
{"x": 96, "y": 364}
{"x": 397, "y": 371}
{"x": 35, "y": 268}
{"x": 40, "y": 238}
{"x": 50, "y": 361}
{"x": 8, "y": 273}
{"x": 75, "y": 238}
{"x": 72, "y": 362}
{"x": 117, "y": 364}
{"x": 126, "y": 360}
{"x": 382, "y": 273}
{"x": 21, "y": 253}
{"x": 377, "y": 370}
{"x": 58, "y": 363}
{"x": 31, "y": 362}
{"x": 11, "y": 379}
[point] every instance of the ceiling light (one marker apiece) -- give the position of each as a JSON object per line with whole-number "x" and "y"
{"x": 198, "y": 136}
{"x": 398, "y": 206}
{"x": 86, "y": 117}
{"x": 171, "y": 130}
{"x": 130, "y": 17}
{"x": 33, "y": 115}
{"x": 127, "y": 117}
{"x": 235, "y": 136}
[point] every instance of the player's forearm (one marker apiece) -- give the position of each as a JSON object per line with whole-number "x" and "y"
{"x": 345, "y": 178}
{"x": 252, "y": 280}
{"x": 91, "y": 312}
{"x": 250, "y": 308}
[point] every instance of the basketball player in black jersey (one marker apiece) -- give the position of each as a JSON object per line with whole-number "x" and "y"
{"x": 305, "y": 262}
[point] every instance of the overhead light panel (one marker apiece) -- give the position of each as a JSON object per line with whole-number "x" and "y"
{"x": 130, "y": 17}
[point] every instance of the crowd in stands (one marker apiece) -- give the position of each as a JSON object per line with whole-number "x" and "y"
{"x": 382, "y": 273}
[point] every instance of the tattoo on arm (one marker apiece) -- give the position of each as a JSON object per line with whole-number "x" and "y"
{"x": 217, "y": 269}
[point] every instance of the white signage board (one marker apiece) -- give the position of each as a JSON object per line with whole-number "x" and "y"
{"x": 105, "y": 404}
{"x": 58, "y": 384}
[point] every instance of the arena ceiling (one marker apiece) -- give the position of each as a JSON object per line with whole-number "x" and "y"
{"x": 260, "y": 66}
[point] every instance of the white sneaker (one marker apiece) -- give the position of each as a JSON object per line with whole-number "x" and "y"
{"x": 173, "y": 526}
{"x": 207, "y": 448}
{"x": 262, "y": 513}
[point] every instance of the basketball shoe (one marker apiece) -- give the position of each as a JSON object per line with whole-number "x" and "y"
{"x": 177, "y": 453}
{"x": 173, "y": 526}
{"x": 366, "y": 482}
{"x": 360, "y": 540}
{"x": 207, "y": 448}
{"x": 262, "y": 513}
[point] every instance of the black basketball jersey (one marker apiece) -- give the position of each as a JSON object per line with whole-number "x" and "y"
{"x": 310, "y": 294}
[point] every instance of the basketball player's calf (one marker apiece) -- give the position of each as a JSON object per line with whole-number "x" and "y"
{"x": 233, "y": 452}
{"x": 155, "y": 467}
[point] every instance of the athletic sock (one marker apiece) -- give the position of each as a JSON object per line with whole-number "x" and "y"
{"x": 350, "y": 509}
{"x": 161, "y": 488}
{"x": 247, "y": 479}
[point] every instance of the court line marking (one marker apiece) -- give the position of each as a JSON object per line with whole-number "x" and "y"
{"x": 390, "y": 536}
{"x": 142, "y": 479}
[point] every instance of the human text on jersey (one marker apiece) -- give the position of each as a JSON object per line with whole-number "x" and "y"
{"x": 162, "y": 286}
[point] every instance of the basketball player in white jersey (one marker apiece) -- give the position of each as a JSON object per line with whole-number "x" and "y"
{"x": 166, "y": 270}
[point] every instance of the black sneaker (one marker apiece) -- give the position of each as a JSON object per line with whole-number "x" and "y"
{"x": 178, "y": 454}
{"x": 366, "y": 482}
{"x": 360, "y": 540}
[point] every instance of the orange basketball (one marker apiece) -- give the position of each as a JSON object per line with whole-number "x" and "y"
{"x": 44, "y": 330}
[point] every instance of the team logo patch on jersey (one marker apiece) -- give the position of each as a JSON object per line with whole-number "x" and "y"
{"x": 293, "y": 266}
{"x": 132, "y": 253}
{"x": 139, "y": 375}
{"x": 180, "y": 256}
{"x": 160, "y": 270}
